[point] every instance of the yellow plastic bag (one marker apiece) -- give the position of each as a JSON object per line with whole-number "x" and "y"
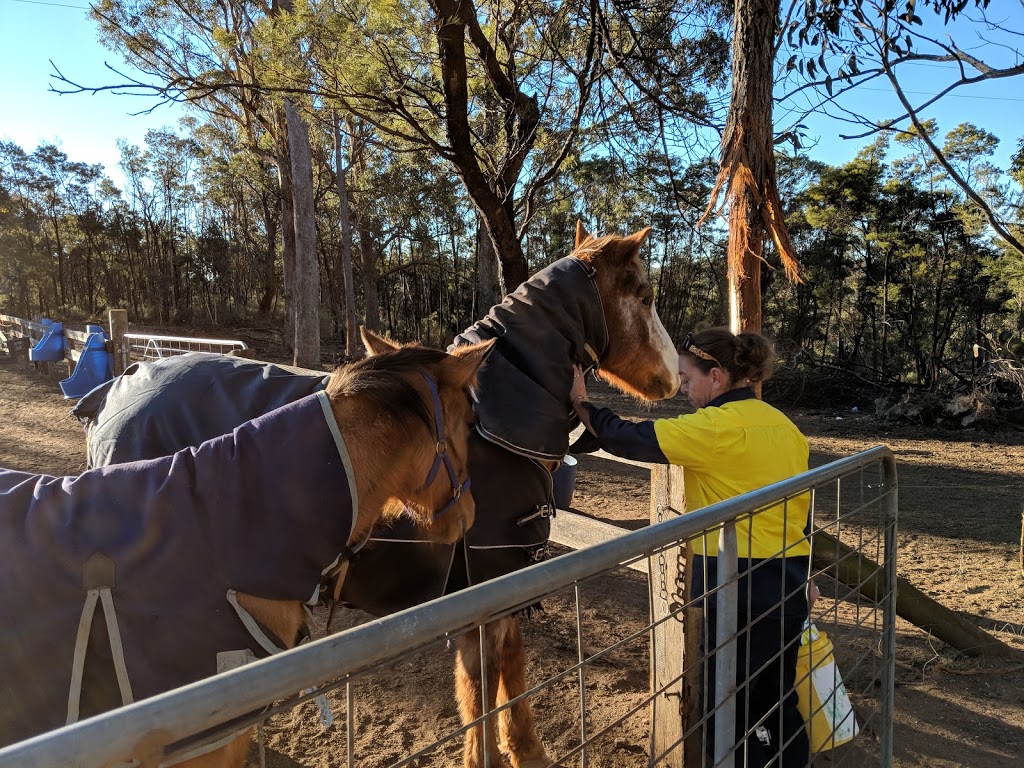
{"x": 822, "y": 699}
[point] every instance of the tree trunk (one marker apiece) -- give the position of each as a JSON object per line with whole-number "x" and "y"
{"x": 269, "y": 261}
{"x": 748, "y": 163}
{"x": 284, "y": 172}
{"x": 748, "y": 134}
{"x": 496, "y": 210}
{"x": 489, "y": 288}
{"x": 368, "y": 249}
{"x": 306, "y": 285}
{"x": 370, "y": 275}
{"x": 351, "y": 347}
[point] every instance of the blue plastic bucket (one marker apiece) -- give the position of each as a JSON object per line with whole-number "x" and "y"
{"x": 563, "y": 480}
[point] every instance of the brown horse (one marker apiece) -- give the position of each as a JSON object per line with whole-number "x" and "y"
{"x": 638, "y": 357}
{"x": 593, "y": 308}
{"x": 389, "y": 434}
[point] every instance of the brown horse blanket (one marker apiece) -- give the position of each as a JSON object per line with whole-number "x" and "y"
{"x": 266, "y": 510}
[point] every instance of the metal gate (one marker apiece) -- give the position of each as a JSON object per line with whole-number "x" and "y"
{"x": 854, "y": 503}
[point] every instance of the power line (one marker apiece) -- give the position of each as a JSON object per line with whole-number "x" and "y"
{"x": 56, "y": 5}
{"x": 951, "y": 95}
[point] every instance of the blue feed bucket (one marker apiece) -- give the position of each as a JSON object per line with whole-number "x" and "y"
{"x": 563, "y": 480}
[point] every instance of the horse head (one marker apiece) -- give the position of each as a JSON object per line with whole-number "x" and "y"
{"x": 429, "y": 401}
{"x": 640, "y": 358}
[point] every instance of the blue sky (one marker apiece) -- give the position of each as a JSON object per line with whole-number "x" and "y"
{"x": 86, "y": 126}
{"x": 33, "y": 32}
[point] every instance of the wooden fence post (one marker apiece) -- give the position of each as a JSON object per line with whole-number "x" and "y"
{"x": 674, "y": 644}
{"x": 118, "y": 328}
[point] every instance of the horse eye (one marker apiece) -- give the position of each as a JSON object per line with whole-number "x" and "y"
{"x": 646, "y": 301}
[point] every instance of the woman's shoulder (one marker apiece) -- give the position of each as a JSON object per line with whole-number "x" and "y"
{"x": 753, "y": 412}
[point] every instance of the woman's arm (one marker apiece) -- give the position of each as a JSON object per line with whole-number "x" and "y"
{"x": 628, "y": 439}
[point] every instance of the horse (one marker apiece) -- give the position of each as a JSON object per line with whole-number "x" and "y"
{"x": 595, "y": 308}
{"x": 203, "y": 559}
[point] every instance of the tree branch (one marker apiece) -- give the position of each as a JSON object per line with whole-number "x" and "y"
{"x": 977, "y": 199}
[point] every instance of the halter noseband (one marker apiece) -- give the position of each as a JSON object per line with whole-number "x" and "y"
{"x": 441, "y": 451}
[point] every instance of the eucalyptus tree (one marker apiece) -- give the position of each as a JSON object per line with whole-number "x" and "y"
{"x": 1010, "y": 269}
{"x": 896, "y": 260}
{"x": 837, "y": 45}
{"x": 54, "y": 180}
{"x": 23, "y": 263}
{"x": 240, "y": 195}
{"x": 823, "y": 36}
{"x": 88, "y": 208}
{"x": 504, "y": 92}
{"x": 205, "y": 55}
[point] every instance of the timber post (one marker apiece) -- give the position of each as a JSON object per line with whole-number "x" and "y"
{"x": 675, "y": 636}
{"x": 118, "y": 328}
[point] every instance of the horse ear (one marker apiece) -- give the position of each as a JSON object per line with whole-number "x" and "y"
{"x": 630, "y": 246}
{"x": 581, "y": 233}
{"x": 461, "y": 370}
{"x": 637, "y": 238}
{"x": 376, "y": 345}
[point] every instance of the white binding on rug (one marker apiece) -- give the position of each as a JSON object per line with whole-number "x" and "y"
{"x": 252, "y": 626}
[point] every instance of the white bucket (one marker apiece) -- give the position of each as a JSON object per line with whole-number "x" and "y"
{"x": 822, "y": 698}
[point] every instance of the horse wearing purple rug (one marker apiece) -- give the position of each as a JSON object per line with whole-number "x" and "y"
{"x": 202, "y": 560}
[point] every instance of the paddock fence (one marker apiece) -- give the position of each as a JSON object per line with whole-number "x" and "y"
{"x": 97, "y": 355}
{"x": 627, "y": 632}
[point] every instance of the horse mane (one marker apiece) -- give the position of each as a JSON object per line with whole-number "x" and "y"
{"x": 593, "y": 245}
{"x": 380, "y": 378}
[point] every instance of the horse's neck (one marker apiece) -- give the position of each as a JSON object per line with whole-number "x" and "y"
{"x": 380, "y": 454}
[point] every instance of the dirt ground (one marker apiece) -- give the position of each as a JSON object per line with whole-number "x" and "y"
{"x": 961, "y": 499}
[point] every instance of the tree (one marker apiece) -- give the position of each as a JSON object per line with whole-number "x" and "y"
{"x": 747, "y": 163}
{"x": 504, "y": 95}
{"x": 206, "y": 56}
{"x": 841, "y": 44}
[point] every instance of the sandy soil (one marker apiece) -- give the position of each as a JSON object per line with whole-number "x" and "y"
{"x": 961, "y": 497}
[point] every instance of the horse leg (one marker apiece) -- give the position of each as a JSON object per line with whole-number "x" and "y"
{"x": 518, "y": 731}
{"x": 470, "y": 695}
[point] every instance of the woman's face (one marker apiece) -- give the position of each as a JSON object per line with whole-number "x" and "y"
{"x": 698, "y": 387}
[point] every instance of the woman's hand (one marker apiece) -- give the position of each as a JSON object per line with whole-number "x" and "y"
{"x": 577, "y": 395}
{"x": 579, "y": 387}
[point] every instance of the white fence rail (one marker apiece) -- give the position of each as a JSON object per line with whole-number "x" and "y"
{"x": 144, "y": 346}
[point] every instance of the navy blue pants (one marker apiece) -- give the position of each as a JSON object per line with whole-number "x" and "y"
{"x": 772, "y": 612}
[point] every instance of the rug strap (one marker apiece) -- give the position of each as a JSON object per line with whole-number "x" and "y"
{"x": 92, "y": 597}
{"x": 252, "y": 625}
{"x": 81, "y": 646}
{"x": 116, "y": 646}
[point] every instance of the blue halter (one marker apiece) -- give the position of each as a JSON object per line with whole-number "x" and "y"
{"x": 441, "y": 451}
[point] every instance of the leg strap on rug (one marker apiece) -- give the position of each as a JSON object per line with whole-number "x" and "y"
{"x": 98, "y": 580}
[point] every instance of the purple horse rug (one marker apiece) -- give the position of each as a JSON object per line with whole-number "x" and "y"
{"x": 160, "y": 547}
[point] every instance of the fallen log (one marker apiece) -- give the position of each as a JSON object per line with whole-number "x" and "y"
{"x": 860, "y": 573}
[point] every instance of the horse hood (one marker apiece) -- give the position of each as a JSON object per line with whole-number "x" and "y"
{"x": 550, "y": 322}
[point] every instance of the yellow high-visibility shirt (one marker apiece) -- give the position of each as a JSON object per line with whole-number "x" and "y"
{"x": 733, "y": 448}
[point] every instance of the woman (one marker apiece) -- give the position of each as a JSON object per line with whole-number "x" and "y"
{"x": 732, "y": 444}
